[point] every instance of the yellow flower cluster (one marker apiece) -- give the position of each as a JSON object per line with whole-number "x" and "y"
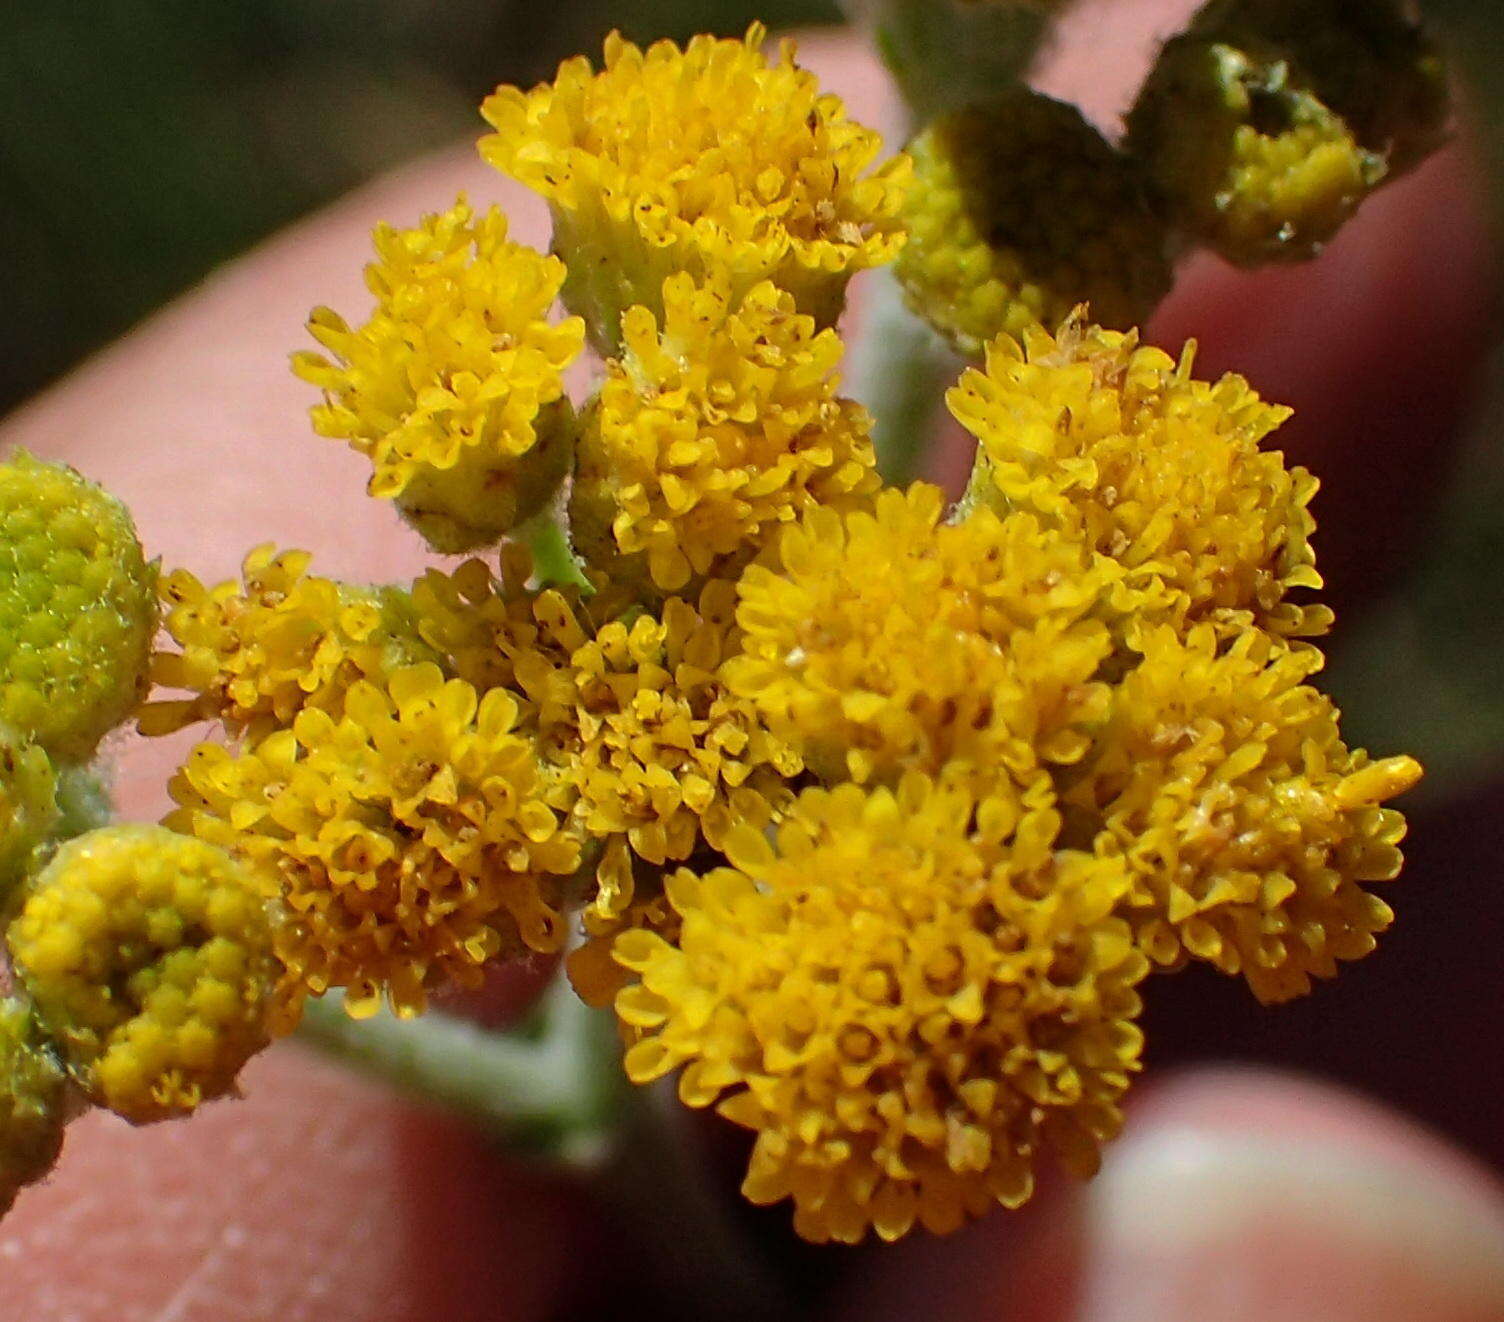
{"x": 873, "y": 815}
{"x": 414, "y": 836}
{"x": 256, "y": 655}
{"x": 454, "y": 387}
{"x": 1097, "y": 650}
{"x": 149, "y": 958}
{"x": 653, "y": 756}
{"x": 908, "y": 996}
{"x": 1123, "y": 449}
{"x": 712, "y": 160}
{"x": 711, "y": 431}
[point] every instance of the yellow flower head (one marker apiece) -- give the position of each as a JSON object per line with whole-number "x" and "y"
{"x": 712, "y": 160}
{"x": 454, "y": 387}
{"x": 665, "y": 753}
{"x": 479, "y": 623}
{"x": 663, "y": 756}
{"x": 149, "y": 957}
{"x": 712, "y": 431}
{"x": 631, "y": 712}
{"x": 908, "y": 998}
{"x": 256, "y": 655}
{"x": 888, "y": 640}
{"x": 1247, "y": 823}
{"x": 412, "y": 836}
{"x": 77, "y": 608}
{"x": 1122, "y": 448}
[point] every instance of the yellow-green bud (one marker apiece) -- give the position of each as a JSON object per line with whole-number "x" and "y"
{"x": 1267, "y": 124}
{"x": 77, "y": 608}
{"x": 1369, "y": 61}
{"x": 1019, "y": 212}
{"x": 33, "y": 1103}
{"x": 149, "y": 958}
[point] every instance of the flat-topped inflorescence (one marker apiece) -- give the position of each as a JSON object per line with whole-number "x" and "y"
{"x": 871, "y": 813}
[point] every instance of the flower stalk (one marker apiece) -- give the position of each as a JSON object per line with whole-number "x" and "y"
{"x": 554, "y": 1091}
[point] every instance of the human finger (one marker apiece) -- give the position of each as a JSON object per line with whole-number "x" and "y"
{"x": 1234, "y": 1195}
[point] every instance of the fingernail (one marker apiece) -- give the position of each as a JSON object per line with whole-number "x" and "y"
{"x": 1242, "y": 1223}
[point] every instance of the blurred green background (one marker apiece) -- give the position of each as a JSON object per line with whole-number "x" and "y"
{"x": 144, "y": 141}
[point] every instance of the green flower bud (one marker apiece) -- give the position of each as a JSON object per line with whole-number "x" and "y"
{"x": 1020, "y": 211}
{"x": 33, "y": 1103}
{"x": 77, "y": 608}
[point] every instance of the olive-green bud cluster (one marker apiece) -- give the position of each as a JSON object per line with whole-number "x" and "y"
{"x": 33, "y": 1102}
{"x": 1020, "y": 211}
{"x": 149, "y": 957}
{"x": 77, "y": 608}
{"x": 1267, "y": 123}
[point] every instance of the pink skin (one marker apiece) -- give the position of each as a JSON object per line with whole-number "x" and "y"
{"x": 323, "y": 1196}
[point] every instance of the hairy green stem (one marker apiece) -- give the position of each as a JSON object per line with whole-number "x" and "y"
{"x": 945, "y": 55}
{"x": 555, "y": 1095}
{"x": 555, "y": 1090}
{"x": 899, "y": 370}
